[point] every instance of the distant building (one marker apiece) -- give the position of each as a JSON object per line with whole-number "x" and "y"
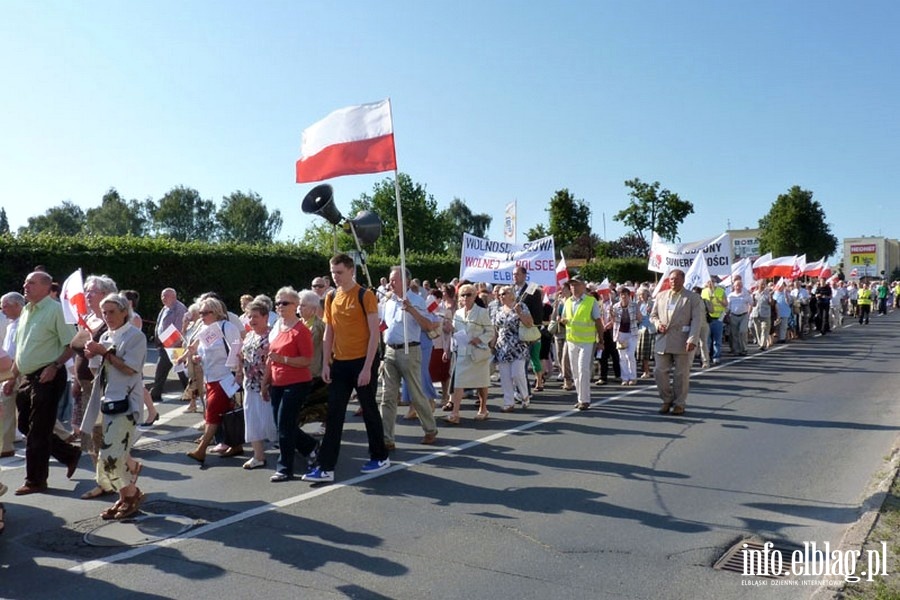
{"x": 744, "y": 244}
{"x": 872, "y": 257}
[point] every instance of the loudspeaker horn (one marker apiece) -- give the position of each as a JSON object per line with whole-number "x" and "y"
{"x": 367, "y": 226}
{"x": 320, "y": 201}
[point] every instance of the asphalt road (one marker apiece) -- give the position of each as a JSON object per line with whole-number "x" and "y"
{"x": 615, "y": 502}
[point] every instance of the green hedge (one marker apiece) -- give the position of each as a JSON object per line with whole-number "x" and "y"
{"x": 150, "y": 264}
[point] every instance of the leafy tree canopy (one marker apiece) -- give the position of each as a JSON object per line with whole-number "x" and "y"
{"x": 653, "y": 209}
{"x": 116, "y": 216}
{"x": 243, "y": 217}
{"x": 630, "y": 245}
{"x": 460, "y": 219}
{"x": 423, "y": 229}
{"x": 569, "y": 218}
{"x": 183, "y": 215}
{"x": 796, "y": 225}
{"x": 65, "y": 219}
{"x": 537, "y": 232}
{"x": 4, "y": 222}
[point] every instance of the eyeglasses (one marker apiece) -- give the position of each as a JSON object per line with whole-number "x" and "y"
{"x": 466, "y": 295}
{"x": 318, "y": 285}
{"x": 203, "y": 313}
{"x": 284, "y": 303}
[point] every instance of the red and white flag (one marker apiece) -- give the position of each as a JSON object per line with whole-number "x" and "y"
{"x": 604, "y": 288}
{"x": 349, "y": 141}
{"x": 74, "y": 303}
{"x": 562, "y": 272}
{"x": 854, "y": 272}
{"x": 432, "y": 303}
{"x": 170, "y": 337}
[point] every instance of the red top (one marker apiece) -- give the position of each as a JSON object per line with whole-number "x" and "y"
{"x": 294, "y": 342}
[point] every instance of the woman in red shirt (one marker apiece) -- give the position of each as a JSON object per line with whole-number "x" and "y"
{"x": 288, "y": 381}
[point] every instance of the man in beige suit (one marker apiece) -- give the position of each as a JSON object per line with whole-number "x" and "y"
{"x": 677, "y": 314}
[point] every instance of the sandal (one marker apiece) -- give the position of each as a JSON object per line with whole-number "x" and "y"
{"x": 447, "y": 407}
{"x": 451, "y": 420}
{"x": 131, "y": 505}
{"x": 96, "y": 493}
{"x": 191, "y": 408}
{"x": 110, "y": 513}
{"x": 483, "y": 416}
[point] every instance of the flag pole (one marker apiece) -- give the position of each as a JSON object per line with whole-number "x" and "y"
{"x": 403, "y": 281}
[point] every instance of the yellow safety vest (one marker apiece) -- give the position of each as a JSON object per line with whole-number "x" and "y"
{"x": 865, "y": 297}
{"x": 580, "y": 327}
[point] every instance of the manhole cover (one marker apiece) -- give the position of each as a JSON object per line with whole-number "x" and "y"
{"x": 141, "y": 530}
{"x": 760, "y": 558}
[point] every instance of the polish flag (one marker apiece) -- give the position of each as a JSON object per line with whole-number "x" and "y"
{"x": 349, "y": 141}
{"x": 604, "y": 289}
{"x": 562, "y": 272}
{"x": 854, "y": 272}
{"x": 74, "y": 303}
{"x": 170, "y": 337}
{"x": 432, "y": 303}
{"x": 819, "y": 268}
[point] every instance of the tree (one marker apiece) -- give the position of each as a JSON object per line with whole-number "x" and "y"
{"x": 423, "y": 228}
{"x": 116, "y": 217}
{"x": 537, "y": 232}
{"x": 460, "y": 219}
{"x": 569, "y": 218}
{"x": 183, "y": 215}
{"x": 244, "y": 218}
{"x": 796, "y": 225}
{"x": 65, "y": 219}
{"x": 630, "y": 245}
{"x": 584, "y": 246}
{"x": 652, "y": 209}
{"x": 4, "y": 222}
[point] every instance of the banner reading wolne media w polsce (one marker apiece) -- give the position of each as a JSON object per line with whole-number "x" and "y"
{"x": 717, "y": 251}
{"x": 493, "y": 262}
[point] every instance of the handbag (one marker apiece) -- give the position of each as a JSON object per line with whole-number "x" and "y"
{"x": 529, "y": 334}
{"x": 233, "y": 427}
{"x": 553, "y": 327}
{"x": 114, "y": 407}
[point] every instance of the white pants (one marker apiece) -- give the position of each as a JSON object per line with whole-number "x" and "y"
{"x": 580, "y": 357}
{"x": 512, "y": 380}
{"x": 626, "y": 356}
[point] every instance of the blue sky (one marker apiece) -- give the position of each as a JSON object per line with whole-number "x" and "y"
{"x": 726, "y": 103}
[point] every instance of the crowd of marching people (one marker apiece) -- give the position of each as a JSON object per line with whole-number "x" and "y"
{"x": 300, "y": 357}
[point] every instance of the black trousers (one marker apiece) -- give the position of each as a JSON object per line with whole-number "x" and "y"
{"x": 163, "y": 367}
{"x": 38, "y": 403}
{"x": 609, "y": 351}
{"x": 344, "y": 374}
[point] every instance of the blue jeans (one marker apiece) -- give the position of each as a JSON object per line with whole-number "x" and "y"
{"x": 286, "y": 403}
{"x": 715, "y": 339}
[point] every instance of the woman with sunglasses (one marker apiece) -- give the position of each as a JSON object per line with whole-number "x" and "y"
{"x": 217, "y": 347}
{"x": 473, "y": 332}
{"x": 288, "y": 380}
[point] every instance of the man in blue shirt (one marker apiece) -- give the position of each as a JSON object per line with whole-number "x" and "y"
{"x": 405, "y": 316}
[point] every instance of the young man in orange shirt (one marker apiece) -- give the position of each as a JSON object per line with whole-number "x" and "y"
{"x": 350, "y": 361}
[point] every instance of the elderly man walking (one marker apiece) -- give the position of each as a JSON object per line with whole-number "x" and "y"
{"x": 11, "y": 304}
{"x": 42, "y": 349}
{"x": 404, "y": 314}
{"x": 172, "y": 313}
{"x": 583, "y": 319}
{"x": 677, "y": 314}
